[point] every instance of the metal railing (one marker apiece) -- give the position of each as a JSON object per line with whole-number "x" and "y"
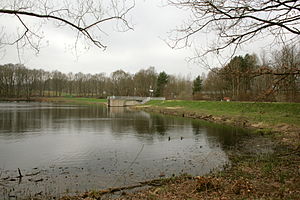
{"x": 136, "y": 98}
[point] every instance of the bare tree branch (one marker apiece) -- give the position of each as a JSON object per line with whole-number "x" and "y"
{"x": 236, "y": 22}
{"x": 82, "y": 16}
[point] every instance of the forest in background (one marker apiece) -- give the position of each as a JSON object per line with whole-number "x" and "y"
{"x": 248, "y": 78}
{"x": 18, "y": 81}
{"x": 244, "y": 78}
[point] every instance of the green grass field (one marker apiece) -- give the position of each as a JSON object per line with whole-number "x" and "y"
{"x": 79, "y": 100}
{"x": 272, "y": 113}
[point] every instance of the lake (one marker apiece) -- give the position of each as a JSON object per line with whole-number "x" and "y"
{"x": 67, "y": 149}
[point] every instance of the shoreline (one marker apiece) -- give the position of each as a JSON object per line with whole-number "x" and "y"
{"x": 285, "y": 133}
{"x": 273, "y": 174}
{"x": 252, "y": 175}
{"x": 78, "y": 100}
{"x": 269, "y": 175}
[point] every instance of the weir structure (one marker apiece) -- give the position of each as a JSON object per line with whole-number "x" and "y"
{"x": 124, "y": 101}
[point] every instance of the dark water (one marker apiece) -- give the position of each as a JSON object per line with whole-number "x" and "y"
{"x": 63, "y": 149}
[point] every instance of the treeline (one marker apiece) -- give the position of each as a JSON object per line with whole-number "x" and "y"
{"x": 17, "y": 81}
{"x": 245, "y": 78}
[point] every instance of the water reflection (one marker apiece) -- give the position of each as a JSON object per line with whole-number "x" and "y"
{"x": 75, "y": 148}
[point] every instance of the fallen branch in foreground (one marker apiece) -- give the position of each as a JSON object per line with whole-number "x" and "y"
{"x": 98, "y": 194}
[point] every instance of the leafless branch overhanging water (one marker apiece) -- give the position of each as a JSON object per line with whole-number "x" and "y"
{"x": 236, "y": 23}
{"x": 85, "y": 18}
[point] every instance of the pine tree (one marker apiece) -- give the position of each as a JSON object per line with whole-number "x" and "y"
{"x": 162, "y": 80}
{"x": 197, "y": 85}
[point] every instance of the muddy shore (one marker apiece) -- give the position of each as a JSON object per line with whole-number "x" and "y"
{"x": 271, "y": 174}
{"x": 259, "y": 174}
{"x": 253, "y": 175}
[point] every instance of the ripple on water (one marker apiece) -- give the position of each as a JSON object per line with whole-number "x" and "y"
{"x": 73, "y": 148}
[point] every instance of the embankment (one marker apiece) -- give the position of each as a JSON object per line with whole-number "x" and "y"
{"x": 280, "y": 119}
{"x": 74, "y": 100}
{"x": 273, "y": 174}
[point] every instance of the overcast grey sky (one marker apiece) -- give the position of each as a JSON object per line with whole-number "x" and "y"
{"x": 130, "y": 51}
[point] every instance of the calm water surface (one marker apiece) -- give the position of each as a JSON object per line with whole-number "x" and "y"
{"x": 73, "y": 148}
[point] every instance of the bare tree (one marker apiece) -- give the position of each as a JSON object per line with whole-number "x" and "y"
{"x": 287, "y": 60}
{"x": 145, "y": 82}
{"x": 86, "y": 17}
{"x": 236, "y": 22}
{"x": 178, "y": 87}
{"x": 122, "y": 83}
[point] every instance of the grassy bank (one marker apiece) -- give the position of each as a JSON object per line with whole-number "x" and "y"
{"x": 271, "y": 113}
{"x": 265, "y": 118}
{"x": 274, "y": 174}
{"x": 253, "y": 174}
{"x": 75, "y": 100}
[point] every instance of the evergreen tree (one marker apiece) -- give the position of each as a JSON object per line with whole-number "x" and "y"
{"x": 162, "y": 80}
{"x": 197, "y": 85}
